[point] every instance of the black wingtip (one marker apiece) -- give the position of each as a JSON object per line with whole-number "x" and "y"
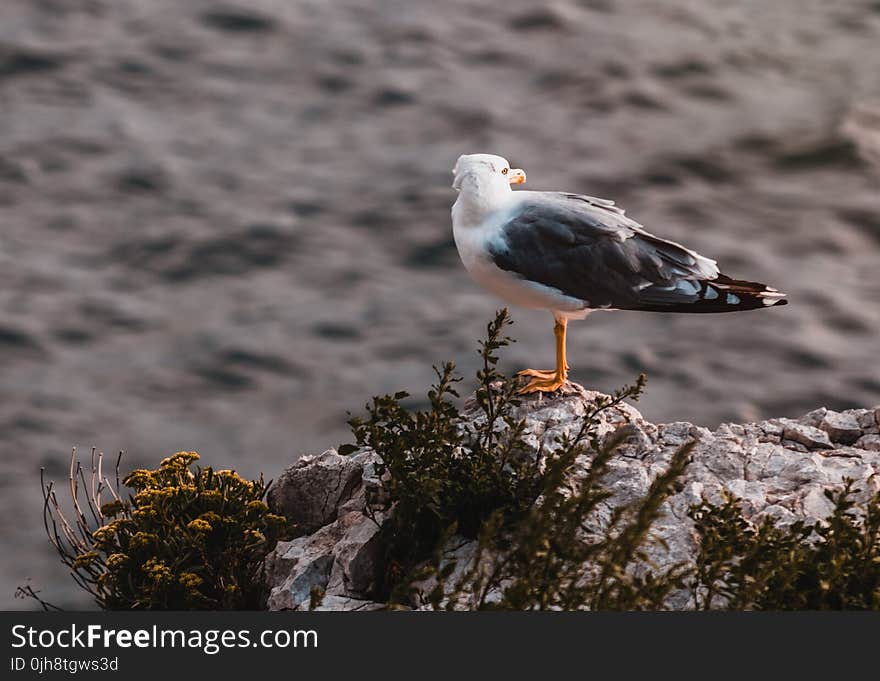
{"x": 722, "y": 294}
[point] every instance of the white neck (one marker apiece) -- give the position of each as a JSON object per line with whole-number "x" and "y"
{"x": 477, "y": 200}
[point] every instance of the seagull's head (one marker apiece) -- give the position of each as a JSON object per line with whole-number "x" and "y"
{"x": 485, "y": 174}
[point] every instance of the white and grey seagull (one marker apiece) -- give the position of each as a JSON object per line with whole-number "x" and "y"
{"x": 572, "y": 254}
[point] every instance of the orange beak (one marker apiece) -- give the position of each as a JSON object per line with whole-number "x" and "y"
{"x": 516, "y": 176}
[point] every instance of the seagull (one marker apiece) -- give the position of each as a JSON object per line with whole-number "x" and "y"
{"x": 572, "y": 254}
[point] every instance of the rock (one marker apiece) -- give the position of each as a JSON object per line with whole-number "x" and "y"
{"x": 816, "y": 505}
{"x": 327, "y": 496}
{"x": 343, "y": 603}
{"x": 340, "y": 559}
{"x": 814, "y": 418}
{"x": 298, "y": 566}
{"x": 868, "y": 421}
{"x": 752, "y": 493}
{"x": 780, "y": 469}
{"x": 772, "y": 428}
{"x": 869, "y": 442}
{"x": 794, "y": 446}
{"x": 356, "y": 556}
{"x": 311, "y": 491}
{"x": 842, "y": 428}
{"x": 809, "y": 436}
{"x": 631, "y": 439}
{"x": 460, "y": 553}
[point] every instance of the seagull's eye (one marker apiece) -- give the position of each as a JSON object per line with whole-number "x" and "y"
{"x": 504, "y": 171}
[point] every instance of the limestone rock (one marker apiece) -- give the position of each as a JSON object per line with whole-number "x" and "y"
{"x": 869, "y": 420}
{"x": 356, "y": 556}
{"x": 869, "y": 442}
{"x": 311, "y": 491}
{"x": 815, "y": 417}
{"x": 299, "y": 566}
{"x": 343, "y": 603}
{"x": 809, "y": 436}
{"x": 843, "y": 428}
{"x": 340, "y": 556}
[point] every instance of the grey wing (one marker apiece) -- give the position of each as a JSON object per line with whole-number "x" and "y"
{"x": 588, "y": 249}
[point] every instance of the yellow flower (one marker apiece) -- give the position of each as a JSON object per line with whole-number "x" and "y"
{"x": 116, "y": 560}
{"x": 257, "y": 506}
{"x": 146, "y": 496}
{"x": 142, "y": 540}
{"x": 276, "y": 519}
{"x": 85, "y": 559}
{"x": 106, "y": 533}
{"x": 112, "y": 508}
{"x": 139, "y": 478}
{"x": 211, "y": 498}
{"x": 232, "y": 475}
{"x": 212, "y": 518}
{"x": 144, "y": 513}
{"x": 190, "y": 580}
{"x": 199, "y": 525}
{"x": 180, "y": 460}
{"x": 255, "y": 535}
{"x": 158, "y": 571}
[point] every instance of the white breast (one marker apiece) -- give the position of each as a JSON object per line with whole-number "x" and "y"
{"x": 472, "y": 240}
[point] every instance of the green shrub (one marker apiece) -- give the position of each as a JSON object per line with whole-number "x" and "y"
{"x": 446, "y": 473}
{"x": 439, "y": 472}
{"x": 833, "y": 564}
{"x": 186, "y": 539}
{"x": 552, "y": 557}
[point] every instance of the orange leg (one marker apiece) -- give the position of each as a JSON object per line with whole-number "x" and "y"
{"x": 549, "y": 381}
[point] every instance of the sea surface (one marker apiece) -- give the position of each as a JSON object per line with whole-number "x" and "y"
{"x": 223, "y": 226}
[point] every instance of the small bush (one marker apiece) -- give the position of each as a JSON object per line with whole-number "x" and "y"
{"x": 445, "y": 473}
{"x": 439, "y": 472}
{"x": 186, "y": 539}
{"x": 554, "y": 557}
{"x": 833, "y": 564}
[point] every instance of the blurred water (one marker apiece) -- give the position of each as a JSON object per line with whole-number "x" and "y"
{"x": 222, "y": 226}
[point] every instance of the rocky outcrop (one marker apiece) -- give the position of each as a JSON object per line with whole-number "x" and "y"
{"x": 780, "y": 468}
{"x": 325, "y": 496}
